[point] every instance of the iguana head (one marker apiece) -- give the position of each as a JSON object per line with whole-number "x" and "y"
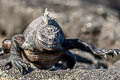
{"x": 49, "y": 37}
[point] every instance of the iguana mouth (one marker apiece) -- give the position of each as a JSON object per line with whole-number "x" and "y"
{"x": 46, "y": 45}
{"x": 49, "y": 46}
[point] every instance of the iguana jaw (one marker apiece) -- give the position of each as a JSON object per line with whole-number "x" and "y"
{"x": 47, "y": 46}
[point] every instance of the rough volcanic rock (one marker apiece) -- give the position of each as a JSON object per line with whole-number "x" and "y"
{"x": 75, "y": 74}
{"x": 115, "y": 4}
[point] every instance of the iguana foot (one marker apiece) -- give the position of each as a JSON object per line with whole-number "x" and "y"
{"x": 22, "y": 65}
{"x": 111, "y": 52}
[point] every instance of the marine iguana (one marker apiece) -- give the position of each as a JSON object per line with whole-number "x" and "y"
{"x": 43, "y": 44}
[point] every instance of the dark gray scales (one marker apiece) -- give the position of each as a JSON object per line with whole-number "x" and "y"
{"x": 43, "y": 45}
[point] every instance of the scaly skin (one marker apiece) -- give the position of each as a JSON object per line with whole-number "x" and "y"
{"x": 43, "y": 44}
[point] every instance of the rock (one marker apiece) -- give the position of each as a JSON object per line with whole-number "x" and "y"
{"x": 74, "y": 74}
{"x": 115, "y": 4}
{"x": 14, "y": 17}
{"x": 116, "y": 65}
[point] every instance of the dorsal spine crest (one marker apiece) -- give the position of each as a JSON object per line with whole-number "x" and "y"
{"x": 46, "y": 16}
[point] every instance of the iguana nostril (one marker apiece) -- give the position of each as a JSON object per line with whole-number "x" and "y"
{"x": 51, "y": 40}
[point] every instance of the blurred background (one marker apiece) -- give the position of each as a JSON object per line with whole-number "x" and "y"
{"x": 94, "y": 21}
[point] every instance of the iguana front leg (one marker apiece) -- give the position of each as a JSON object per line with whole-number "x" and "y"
{"x": 15, "y": 59}
{"x": 79, "y": 44}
